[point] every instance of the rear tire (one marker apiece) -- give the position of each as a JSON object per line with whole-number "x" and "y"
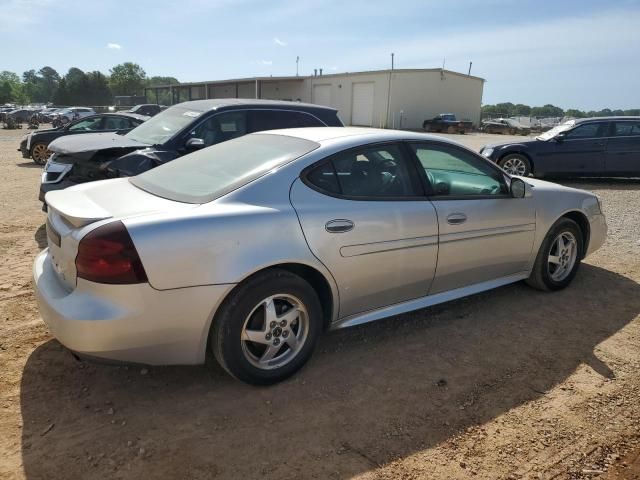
{"x": 267, "y": 328}
{"x": 555, "y": 267}
{"x": 516, "y": 164}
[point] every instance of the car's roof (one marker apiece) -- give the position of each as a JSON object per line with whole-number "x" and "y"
{"x": 591, "y": 119}
{"x": 325, "y": 134}
{"x": 215, "y": 104}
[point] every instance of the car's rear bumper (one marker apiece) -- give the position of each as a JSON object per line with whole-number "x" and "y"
{"x": 127, "y": 323}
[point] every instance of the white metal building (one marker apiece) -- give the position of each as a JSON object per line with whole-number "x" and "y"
{"x": 383, "y": 98}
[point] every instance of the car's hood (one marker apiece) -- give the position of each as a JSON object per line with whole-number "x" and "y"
{"x": 92, "y": 142}
{"x": 46, "y": 130}
{"x": 496, "y": 146}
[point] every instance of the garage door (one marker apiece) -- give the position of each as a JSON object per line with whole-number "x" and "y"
{"x": 322, "y": 95}
{"x": 362, "y": 108}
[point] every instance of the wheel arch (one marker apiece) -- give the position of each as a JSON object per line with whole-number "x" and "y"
{"x": 583, "y": 222}
{"x": 322, "y": 285}
{"x": 519, "y": 152}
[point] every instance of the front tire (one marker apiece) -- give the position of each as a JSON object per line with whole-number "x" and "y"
{"x": 516, "y": 164}
{"x": 267, "y": 328}
{"x": 559, "y": 257}
{"x": 40, "y": 153}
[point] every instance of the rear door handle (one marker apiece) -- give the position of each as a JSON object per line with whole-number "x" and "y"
{"x": 339, "y": 226}
{"x": 456, "y": 218}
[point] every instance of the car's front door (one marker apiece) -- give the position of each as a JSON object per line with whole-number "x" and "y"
{"x": 580, "y": 150}
{"x": 484, "y": 233}
{"x": 366, "y": 218}
{"x": 623, "y": 148}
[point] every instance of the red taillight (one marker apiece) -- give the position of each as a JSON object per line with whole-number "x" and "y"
{"x": 107, "y": 255}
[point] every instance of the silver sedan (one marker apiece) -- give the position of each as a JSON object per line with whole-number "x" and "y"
{"x": 251, "y": 248}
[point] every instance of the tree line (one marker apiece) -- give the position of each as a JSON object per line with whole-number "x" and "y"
{"x": 76, "y": 87}
{"x": 509, "y": 109}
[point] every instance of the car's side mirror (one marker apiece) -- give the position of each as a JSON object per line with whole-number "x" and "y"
{"x": 194, "y": 144}
{"x": 518, "y": 188}
{"x": 560, "y": 137}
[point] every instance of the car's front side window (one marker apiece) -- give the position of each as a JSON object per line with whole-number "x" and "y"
{"x": 88, "y": 124}
{"x": 376, "y": 172}
{"x": 589, "y": 130}
{"x": 452, "y": 172}
{"x": 221, "y": 127}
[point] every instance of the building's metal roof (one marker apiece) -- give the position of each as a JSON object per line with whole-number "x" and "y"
{"x": 306, "y": 77}
{"x": 216, "y": 103}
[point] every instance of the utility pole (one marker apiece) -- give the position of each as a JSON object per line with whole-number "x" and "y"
{"x": 297, "y": 61}
{"x": 470, "y": 63}
{"x": 392, "y": 55}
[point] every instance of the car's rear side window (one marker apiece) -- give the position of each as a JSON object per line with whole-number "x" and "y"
{"x": 626, "y": 129}
{"x": 207, "y": 174}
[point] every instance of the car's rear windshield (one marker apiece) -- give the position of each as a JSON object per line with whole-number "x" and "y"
{"x": 207, "y": 174}
{"x": 163, "y": 126}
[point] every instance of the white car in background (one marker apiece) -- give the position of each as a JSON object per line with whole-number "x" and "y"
{"x": 67, "y": 115}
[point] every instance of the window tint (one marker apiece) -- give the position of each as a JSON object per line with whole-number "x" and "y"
{"x": 116, "y": 123}
{"x": 89, "y": 124}
{"x": 380, "y": 171}
{"x": 221, "y": 127}
{"x": 261, "y": 120}
{"x": 626, "y": 129}
{"x": 590, "y": 130}
{"x": 454, "y": 172}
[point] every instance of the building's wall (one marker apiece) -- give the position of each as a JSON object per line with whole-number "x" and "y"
{"x": 341, "y": 94}
{"x": 423, "y": 95}
{"x": 282, "y": 90}
{"x": 414, "y": 96}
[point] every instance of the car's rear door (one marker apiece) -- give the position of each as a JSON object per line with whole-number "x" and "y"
{"x": 366, "y": 218}
{"x": 484, "y": 233}
{"x": 623, "y": 148}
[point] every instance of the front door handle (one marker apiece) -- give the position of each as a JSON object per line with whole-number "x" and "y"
{"x": 339, "y": 226}
{"x": 456, "y": 218}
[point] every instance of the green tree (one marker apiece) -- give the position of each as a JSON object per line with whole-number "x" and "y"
{"x": 547, "y": 110}
{"x": 127, "y": 79}
{"x": 61, "y": 95}
{"x": 98, "y": 88}
{"x": 6, "y": 93}
{"x": 17, "y": 94}
{"x": 50, "y": 79}
{"x": 572, "y": 112}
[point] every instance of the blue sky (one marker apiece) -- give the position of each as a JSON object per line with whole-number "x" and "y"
{"x": 571, "y": 53}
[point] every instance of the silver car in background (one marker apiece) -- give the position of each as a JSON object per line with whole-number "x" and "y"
{"x": 251, "y": 248}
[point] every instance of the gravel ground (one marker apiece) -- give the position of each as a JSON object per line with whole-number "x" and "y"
{"x": 512, "y": 383}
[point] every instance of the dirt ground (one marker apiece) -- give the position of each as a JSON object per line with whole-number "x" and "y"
{"x": 508, "y": 384}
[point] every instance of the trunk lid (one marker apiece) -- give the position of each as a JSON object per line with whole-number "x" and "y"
{"x": 73, "y": 212}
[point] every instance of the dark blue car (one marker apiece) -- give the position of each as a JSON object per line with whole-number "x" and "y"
{"x": 605, "y": 146}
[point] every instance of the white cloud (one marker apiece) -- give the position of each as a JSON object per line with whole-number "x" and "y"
{"x": 277, "y": 41}
{"x": 114, "y": 46}
{"x": 266, "y": 62}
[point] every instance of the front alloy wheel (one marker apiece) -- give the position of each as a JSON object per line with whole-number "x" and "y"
{"x": 40, "y": 153}
{"x": 516, "y": 164}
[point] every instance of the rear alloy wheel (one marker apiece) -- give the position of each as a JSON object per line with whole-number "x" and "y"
{"x": 516, "y": 164}
{"x": 559, "y": 256}
{"x": 40, "y": 153}
{"x": 267, "y": 329}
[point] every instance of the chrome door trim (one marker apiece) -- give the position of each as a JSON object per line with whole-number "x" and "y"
{"x": 387, "y": 246}
{"x": 424, "y": 302}
{"x": 486, "y": 232}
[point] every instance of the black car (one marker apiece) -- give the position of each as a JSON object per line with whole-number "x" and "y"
{"x": 174, "y": 132}
{"x": 604, "y": 146}
{"x": 148, "y": 109}
{"x": 36, "y": 144}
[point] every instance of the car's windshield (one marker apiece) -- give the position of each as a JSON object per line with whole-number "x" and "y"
{"x": 213, "y": 172}
{"x": 164, "y": 125}
{"x": 548, "y": 135}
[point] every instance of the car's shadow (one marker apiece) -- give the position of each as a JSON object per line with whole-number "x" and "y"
{"x": 29, "y": 165}
{"x": 606, "y": 183}
{"x": 371, "y": 394}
